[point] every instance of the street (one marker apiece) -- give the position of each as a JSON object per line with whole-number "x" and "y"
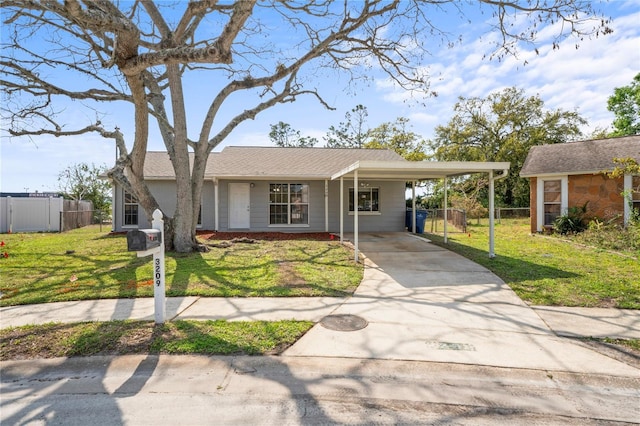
{"x": 195, "y": 390}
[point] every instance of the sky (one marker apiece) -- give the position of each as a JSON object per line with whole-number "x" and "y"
{"x": 567, "y": 78}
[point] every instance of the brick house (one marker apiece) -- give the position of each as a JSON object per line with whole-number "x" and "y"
{"x": 571, "y": 174}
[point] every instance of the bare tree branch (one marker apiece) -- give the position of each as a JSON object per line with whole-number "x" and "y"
{"x": 138, "y": 52}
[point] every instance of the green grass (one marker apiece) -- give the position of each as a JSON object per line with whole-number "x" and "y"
{"x": 550, "y": 271}
{"x": 86, "y": 264}
{"x": 128, "y": 337}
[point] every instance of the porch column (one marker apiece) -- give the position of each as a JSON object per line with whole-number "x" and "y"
{"x": 446, "y": 219}
{"x": 216, "y": 203}
{"x": 413, "y": 206}
{"x": 355, "y": 213}
{"x": 326, "y": 205}
{"x": 341, "y": 210}
{"x": 491, "y": 215}
{"x": 113, "y": 206}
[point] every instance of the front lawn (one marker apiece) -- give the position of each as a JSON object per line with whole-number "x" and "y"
{"x": 551, "y": 271}
{"x": 88, "y": 264}
{"x": 134, "y": 337}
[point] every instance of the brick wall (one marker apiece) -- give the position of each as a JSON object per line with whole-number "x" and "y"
{"x": 603, "y": 194}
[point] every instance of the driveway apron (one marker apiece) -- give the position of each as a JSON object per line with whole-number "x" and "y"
{"x": 418, "y": 301}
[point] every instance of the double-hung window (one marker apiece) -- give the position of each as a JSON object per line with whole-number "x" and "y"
{"x": 552, "y": 200}
{"x": 130, "y": 209}
{"x": 367, "y": 200}
{"x": 288, "y": 204}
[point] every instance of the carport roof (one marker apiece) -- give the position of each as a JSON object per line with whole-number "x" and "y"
{"x": 413, "y": 170}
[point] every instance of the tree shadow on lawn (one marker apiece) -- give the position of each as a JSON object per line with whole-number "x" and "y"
{"x": 198, "y": 274}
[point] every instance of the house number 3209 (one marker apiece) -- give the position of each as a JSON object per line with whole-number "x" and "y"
{"x": 157, "y": 268}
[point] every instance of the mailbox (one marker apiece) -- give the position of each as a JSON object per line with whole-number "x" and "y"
{"x": 143, "y": 239}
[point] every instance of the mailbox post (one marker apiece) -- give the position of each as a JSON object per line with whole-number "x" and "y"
{"x": 147, "y": 242}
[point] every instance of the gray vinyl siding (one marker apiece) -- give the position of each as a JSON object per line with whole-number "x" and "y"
{"x": 392, "y": 208}
{"x": 391, "y": 198}
{"x": 390, "y": 219}
{"x": 259, "y": 199}
{"x": 165, "y": 194}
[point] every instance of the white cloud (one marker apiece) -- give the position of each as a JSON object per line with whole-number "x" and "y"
{"x": 567, "y": 78}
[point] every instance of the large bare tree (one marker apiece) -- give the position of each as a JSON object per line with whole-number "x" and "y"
{"x": 140, "y": 53}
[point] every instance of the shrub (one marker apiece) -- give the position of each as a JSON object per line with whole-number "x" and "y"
{"x": 572, "y": 222}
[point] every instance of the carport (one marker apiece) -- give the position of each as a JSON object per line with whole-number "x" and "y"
{"x": 413, "y": 172}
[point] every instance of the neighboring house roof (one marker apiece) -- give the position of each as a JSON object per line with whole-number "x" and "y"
{"x": 271, "y": 162}
{"x": 585, "y": 157}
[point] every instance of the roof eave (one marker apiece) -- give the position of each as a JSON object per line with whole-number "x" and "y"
{"x": 408, "y": 170}
{"x": 565, "y": 173}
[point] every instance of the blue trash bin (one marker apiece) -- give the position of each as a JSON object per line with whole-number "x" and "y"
{"x": 421, "y": 217}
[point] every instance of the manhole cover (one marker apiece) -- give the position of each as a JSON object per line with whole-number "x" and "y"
{"x": 344, "y": 322}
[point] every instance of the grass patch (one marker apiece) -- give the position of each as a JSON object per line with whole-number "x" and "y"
{"x": 141, "y": 337}
{"x": 633, "y": 344}
{"x": 86, "y": 264}
{"x": 550, "y": 271}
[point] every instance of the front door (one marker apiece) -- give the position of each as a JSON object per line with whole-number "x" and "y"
{"x": 239, "y": 205}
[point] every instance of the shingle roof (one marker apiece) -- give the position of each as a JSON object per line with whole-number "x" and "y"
{"x": 271, "y": 162}
{"x": 291, "y": 162}
{"x": 157, "y": 165}
{"x": 583, "y": 157}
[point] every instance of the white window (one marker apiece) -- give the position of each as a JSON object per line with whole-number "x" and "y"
{"x": 288, "y": 204}
{"x": 552, "y": 200}
{"x": 130, "y": 209}
{"x": 368, "y": 200}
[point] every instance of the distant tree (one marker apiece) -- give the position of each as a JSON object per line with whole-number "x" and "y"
{"x": 625, "y": 104}
{"x": 351, "y": 133}
{"x": 396, "y": 137}
{"x": 282, "y": 134}
{"x": 502, "y": 127}
{"x": 250, "y": 56}
{"x": 599, "y": 133}
{"x": 82, "y": 181}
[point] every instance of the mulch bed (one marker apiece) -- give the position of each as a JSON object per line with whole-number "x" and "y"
{"x": 266, "y": 236}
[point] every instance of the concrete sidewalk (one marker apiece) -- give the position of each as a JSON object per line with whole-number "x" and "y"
{"x": 192, "y": 308}
{"x": 563, "y": 321}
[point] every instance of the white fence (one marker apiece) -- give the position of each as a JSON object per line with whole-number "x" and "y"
{"x": 30, "y": 214}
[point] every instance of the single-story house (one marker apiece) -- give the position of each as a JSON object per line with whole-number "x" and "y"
{"x": 295, "y": 189}
{"x": 572, "y": 174}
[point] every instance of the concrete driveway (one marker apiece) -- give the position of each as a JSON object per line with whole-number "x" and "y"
{"x": 420, "y": 302}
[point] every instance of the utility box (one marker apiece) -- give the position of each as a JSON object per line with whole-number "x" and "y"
{"x": 143, "y": 239}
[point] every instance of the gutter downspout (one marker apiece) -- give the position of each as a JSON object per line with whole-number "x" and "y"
{"x": 492, "y": 195}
